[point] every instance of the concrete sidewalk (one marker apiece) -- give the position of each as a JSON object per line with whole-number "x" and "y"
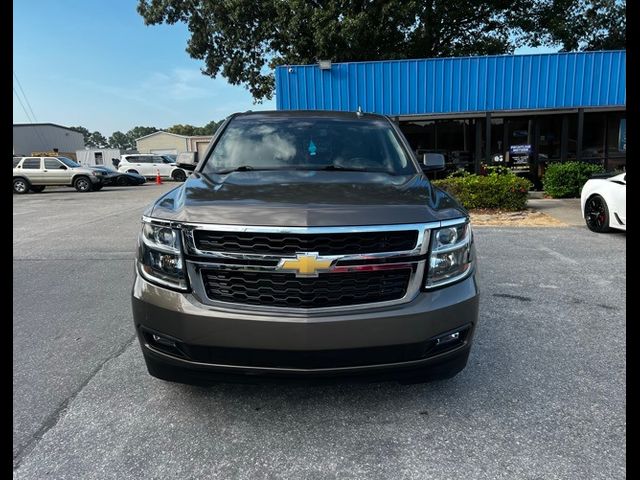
{"x": 566, "y": 210}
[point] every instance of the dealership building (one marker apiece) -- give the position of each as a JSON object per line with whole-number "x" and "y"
{"x": 522, "y": 111}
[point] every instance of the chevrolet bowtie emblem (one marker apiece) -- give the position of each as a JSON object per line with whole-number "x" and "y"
{"x": 306, "y": 264}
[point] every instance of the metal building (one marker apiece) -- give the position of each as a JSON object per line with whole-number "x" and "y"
{"x": 162, "y": 142}
{"x": 521, "y": 110}
{"x": 45, "y": 137}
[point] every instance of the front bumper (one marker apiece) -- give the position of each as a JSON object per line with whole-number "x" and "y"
{"x": 219, "y": 342}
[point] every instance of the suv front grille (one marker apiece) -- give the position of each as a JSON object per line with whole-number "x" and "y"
{"x": 291, "y": 243}
{"x": 276, "y": 289}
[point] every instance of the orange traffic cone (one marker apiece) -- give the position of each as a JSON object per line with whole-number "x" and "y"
{"x": 158, "y": 179}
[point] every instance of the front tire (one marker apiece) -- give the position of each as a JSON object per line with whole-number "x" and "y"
{"x": 82, "y": 184}
{"x": 596, "y": 214}
{"x": 37, "y": 188}
{"x": 179, "y": 175}
{"x": 122, "y": 181}
{"x": 20, "y": 186}
{"x": 97, "y": 187}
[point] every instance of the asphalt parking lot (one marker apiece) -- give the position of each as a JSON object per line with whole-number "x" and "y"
{"x": 543, "y": 395}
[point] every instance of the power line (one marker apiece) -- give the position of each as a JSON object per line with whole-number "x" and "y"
{"x": 37, "y": 132}
{"x": 44, "y": 138}
{"x": 25, "y": 96}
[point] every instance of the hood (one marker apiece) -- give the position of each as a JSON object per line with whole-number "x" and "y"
{"x": 306, "y": 198}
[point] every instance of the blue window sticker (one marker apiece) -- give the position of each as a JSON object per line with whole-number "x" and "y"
{"x": 312, "y": 148}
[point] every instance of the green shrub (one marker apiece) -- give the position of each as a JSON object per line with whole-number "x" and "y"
{"x": 501, "y": 191}
{"x": 564, "y": 180}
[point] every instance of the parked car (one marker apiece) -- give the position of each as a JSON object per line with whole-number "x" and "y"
{"x": 115, "y": 178}
{"x": 149, "y": 166}
{"x": 306, "y": 244}
{"x": 604, "y": 202}
{"x": 35, "y": 173}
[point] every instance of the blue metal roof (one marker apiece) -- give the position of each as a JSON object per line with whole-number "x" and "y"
{"x": 452, "y": 85}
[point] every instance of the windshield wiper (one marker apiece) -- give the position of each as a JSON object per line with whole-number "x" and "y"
{"x": 344, "y": 169}
{"x": 241, "y": 168}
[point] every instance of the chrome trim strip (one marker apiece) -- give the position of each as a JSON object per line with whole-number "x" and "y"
{"x": 199, "y": 292}
{"x": 207, "y": 260}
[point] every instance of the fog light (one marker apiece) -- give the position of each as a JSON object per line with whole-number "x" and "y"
{"x": 451, "y": 337}
{"x": 163, "y": 340}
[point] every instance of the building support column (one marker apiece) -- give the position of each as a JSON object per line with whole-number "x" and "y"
{"x": 564, "y": 139}
{"x": 487, "y": 144}
{"x": 505, "y": 138}
{"x": 605, "y": 147}
{"x": 478, "y": 155}
{"x": 580, "y": 130}
{"x": 536, "y": 167}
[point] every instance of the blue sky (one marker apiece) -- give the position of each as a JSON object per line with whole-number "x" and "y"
{"x": 94, "y": 63}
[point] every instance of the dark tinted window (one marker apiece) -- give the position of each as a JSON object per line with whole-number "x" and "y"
{"x": 52, "y": 163}
{"x": 68, "y": 162}
{"x": 310, "y": 143}
{"x": 31, "y": 163}
{"x": 16, "y": 161}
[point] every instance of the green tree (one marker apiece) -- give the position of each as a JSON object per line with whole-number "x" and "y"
{"x": 210, "y": 128}
{"x": 180, "y": 129}
{"x": 86, "y": 134}
{"x": 96, "y": 140}
{"x": 137, "y": 132}
{"x": 120, "y": 140}
{"x": 577, "y": 25}
{"x": 243, "y": 39}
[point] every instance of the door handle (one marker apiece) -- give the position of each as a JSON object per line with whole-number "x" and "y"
{"x": 45, "y": 170}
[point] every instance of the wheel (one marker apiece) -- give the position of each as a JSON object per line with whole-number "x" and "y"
{"x": 82, "y": 184}
{"x": 98, "y": 187}
{"x": 596, "y": 214}
{"x": 36, "y": 188}
{"x": 20, "y": 185}
{"x": 179, "y": 175}
{"x": 122, "y": 181}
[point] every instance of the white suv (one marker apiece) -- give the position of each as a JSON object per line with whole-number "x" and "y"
{"x": 149, "y": 165}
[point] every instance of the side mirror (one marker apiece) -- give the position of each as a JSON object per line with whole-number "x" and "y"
{"x": 62, "y": 167}
{"x": 432, "y": 162}
{"x": 187, "y": 161}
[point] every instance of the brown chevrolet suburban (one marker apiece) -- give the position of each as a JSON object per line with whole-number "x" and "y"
{"x": 306, "y": 244}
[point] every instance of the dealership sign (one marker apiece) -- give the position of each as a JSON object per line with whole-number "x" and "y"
{"x": 520, "y": 150}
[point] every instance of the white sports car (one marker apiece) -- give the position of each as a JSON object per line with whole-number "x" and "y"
{"x": 604, "y": 203}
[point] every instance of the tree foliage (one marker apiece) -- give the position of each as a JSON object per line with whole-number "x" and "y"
{"x": 243, "y": 39}
{"x": 97, "y": 140}
{"x": 120, "y": 140}
{"x": 85, "y": 133}
{"x": 190, "y": 130}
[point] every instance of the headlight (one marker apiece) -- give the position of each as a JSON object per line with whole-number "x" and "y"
{"x": 450, "y": 258}
{"x": 160, "y": 256}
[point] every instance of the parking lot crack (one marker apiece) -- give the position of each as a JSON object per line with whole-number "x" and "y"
{"x": 52, "y": 420}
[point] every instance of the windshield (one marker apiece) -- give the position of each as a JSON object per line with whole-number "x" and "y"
{"x": 308, "y": 143}
{"x": 68, "y": 162}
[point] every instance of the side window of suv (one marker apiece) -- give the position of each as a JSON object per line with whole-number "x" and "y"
{"x": 52, "y": 164}
{"x": 31, "y": 163}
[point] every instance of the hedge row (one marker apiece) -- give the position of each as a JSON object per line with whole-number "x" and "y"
{"x": 496, "y": 190}
{"x": 565, "y": 180}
